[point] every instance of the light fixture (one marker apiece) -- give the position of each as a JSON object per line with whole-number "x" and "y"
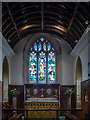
{"x": 63, "y": 6}
{"x": 58, "y": 27}
{"x": 25, "y": 21}
{"x": 76, "y": 41}
{"x": 28, "y": 26}
{"x": 8, "y": 40}
{"x": 86, "y": 22}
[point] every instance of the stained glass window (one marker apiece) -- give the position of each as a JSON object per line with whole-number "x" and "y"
{"x": 35, "y": 46}
{"x": 51, "y": 67}
{"x": 42, "y": 64}
{"x": 33, "y": 68}
{"x": 42, "y": 68}
{"x": 42, "y": 39}
{"x": 39, "y": 46}
{"x": 48, "y": 46}
{"x": 44, "y": 46}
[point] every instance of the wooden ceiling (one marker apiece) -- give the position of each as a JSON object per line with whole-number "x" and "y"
{"x": 67, "y": 20}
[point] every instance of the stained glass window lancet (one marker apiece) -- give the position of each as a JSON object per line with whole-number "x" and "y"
{"x": 51, "y": 67}
{"x": 39, "y": 46}
{"x": 35, "y": 46}
{"x": 33, "y": 68}
{"x": 44, "y": 46}
{"x": 42, "y": 63}
{"x": 42, "y": 68}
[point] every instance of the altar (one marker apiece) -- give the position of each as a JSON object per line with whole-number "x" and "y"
{"x": 44, "y": 97}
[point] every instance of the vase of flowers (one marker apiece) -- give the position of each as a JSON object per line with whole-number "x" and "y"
{"x": 68, "y": 93}
{"x": 13, "y": 93}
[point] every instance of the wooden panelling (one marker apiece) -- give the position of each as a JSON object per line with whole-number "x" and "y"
{"x": 85, "y": 98}
{"x": 64, "y": 100}
{"x": 20, "y": 97}
{"x": 0, "y": 99}
{"x": 52, "y": 88}
{"x": 89, "y": 99}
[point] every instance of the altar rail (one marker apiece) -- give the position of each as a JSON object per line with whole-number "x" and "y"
{"x": 26, "y": 110}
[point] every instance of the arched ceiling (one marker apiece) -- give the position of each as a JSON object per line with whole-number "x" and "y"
{"x": 67, "y": 20}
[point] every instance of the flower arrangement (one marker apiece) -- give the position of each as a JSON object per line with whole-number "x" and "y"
{"x": 14, "y": 92}
{"x": 69, "y": 92}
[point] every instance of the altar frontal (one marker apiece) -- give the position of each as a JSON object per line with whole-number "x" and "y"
{"x": 42, "y": 97}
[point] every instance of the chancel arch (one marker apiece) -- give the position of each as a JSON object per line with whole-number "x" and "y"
{"x": 5, "y": 78}
{"x": 78, "y": 82}
{"x": 55, "y": 48}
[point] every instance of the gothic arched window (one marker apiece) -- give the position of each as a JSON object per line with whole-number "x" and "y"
{"x": 42, "y": 63}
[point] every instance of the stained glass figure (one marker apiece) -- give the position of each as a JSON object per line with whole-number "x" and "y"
{"x": 44, "y": 46}
{"x": 32, "y": 68}
{"x": 48, "y": 46}
{"x": 42, "y": 39}
{"x": 42, "y": 68}
{"x": 51, "y": 67}
{"x": 39, "y": 46}
{"x": 35, "y": 46}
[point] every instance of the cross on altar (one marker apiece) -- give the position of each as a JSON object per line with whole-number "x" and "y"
{"x": 42, "y": 90}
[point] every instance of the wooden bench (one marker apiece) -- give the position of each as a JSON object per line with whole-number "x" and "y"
{"x": 69, "y": 116}
{"x": 16, "y": 117}
{"x": 10, "y": 115}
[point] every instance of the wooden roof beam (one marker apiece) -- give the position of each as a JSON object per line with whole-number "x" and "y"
{"x": 10, "y": 14}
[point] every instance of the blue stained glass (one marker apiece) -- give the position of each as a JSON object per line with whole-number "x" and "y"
{"x": 52, "y": 48}
{"x": 39, "y": 46}
{"x": 44, "y": 46}
{"x": 42, "y": 39}
{"x": 51, "y": 67}
{"x": 42, "y": 68}
{"x": 31, "y": 48}
{"x": 48, "y": 46}
{"x": 33, "y": 68}
{"x": 35, "y": 46}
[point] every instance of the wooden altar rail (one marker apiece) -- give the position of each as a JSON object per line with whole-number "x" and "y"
{"x": 26, "y": 110}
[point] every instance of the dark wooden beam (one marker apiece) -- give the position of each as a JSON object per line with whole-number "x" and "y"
{"x": 42, "y": 16}
{"x": 73, "y": 17}
{"x": 75, "y": 11}
{"x": 12, "y": 19}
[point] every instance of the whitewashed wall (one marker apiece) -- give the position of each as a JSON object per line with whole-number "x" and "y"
{"x": 17, "y": 69}
{"x": 17, "y": 63}
{"x": 81, "y": 50}
{"x": 8, "y": 52}
{"x": 67, "y": 64}
{"x": 5, "y": 50}
{"x": 65, "y": 73}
